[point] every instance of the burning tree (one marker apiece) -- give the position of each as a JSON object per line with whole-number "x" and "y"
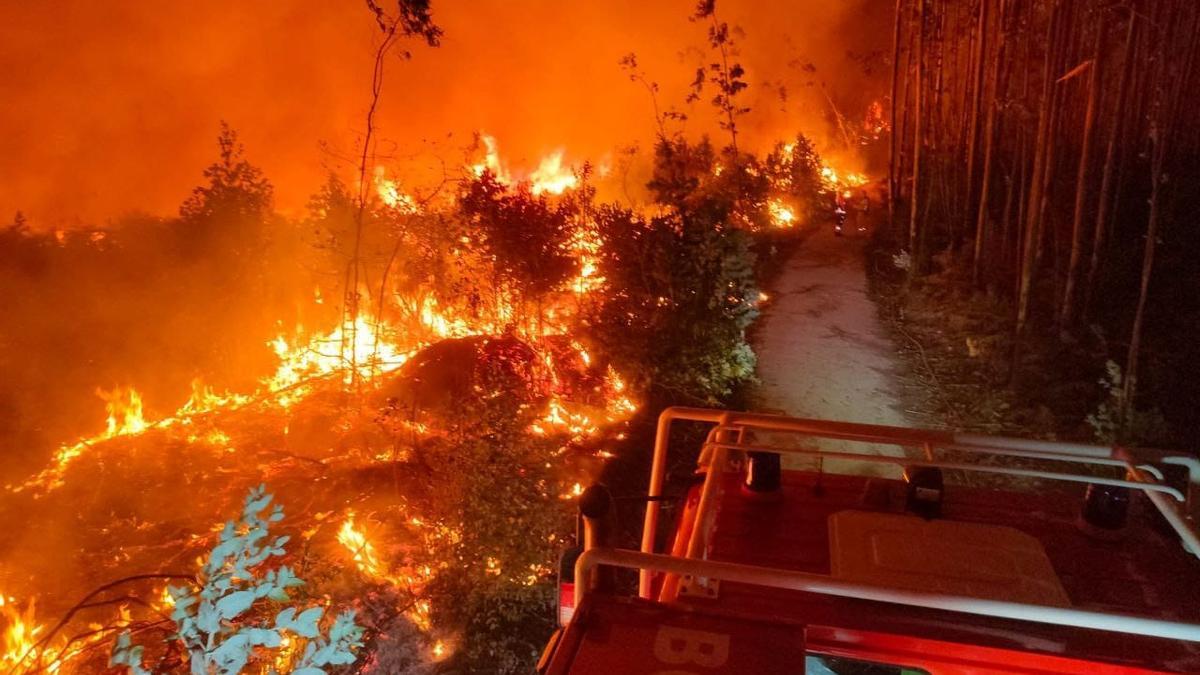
{"x": 526, "y": 239}
{"x": 795, "y": 169}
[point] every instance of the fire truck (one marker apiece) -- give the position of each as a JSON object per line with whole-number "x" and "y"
{"x": 807, "y": 546}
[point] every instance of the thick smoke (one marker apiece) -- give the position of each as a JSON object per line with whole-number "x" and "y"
{"x": 112, "y": 107}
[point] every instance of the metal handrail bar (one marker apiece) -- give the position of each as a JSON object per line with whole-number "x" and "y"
{"x": 709, "y": 492}
{"x": 916, "y": 438}
{"x": 709, "y": 495}
{"x": 927, "y": 449}
{"x": 824, "y": 585}
{"x": 1177, "y": 520}
{"x": 1144, "y": 485}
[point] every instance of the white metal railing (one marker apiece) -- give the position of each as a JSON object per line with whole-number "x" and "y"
{"x": 825, "y": 585}
{"x": 1140, "y": 465}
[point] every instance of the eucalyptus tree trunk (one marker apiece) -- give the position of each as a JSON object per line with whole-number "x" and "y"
{"x": 893, "y": 173}
{"x": 977, "y": 98}
{"x": 1169, "y": 89}
{"x": 989, "y": 135}
{"x": 1139, "y": 317}
{"x": 918, "y": 139}
{"x": 1105, "y": 204}
{"x": 1032, "y": 221}
{"x": 1067, "y": 315}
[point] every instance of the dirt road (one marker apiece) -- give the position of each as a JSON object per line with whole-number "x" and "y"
{"x": 822, "y": 352}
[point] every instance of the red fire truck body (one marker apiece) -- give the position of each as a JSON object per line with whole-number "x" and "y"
{"x": 877, "y": 550}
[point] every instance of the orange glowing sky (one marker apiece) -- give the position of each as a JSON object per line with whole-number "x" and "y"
{"x": 107, "y": 108}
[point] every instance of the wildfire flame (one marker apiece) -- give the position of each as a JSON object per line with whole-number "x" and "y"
{"x": 875, "y": 124}
{"x": 363, "y": 553}
{"x": 22, "y": 648}
{"x": 782, "y": 215}
{"x": 837, "y": 181}
{"x": 124, "y": 407}
{"x": 390, "y": 193}
{"x": 551, "y": 175}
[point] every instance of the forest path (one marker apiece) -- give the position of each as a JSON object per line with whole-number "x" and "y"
{"x": 822, "y": 351}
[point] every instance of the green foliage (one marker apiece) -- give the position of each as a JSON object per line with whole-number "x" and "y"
{"x": 498, "y": 491}
{"x": 127, "y": 654}
{"x": 680, "y": 287}
{"x": 1116, "y": 422}
{"x": 525, "y": 235}
{"x": 679, "y": 297}
{"x": 726, "y": 188}
{"x": 223, "y": 624}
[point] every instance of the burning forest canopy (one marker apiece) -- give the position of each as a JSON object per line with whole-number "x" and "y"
{"x": 420, "y": 360}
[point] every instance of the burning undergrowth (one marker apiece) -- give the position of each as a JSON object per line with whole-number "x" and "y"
{"x": 390, "y": 492}
{"x": 427, "y": 449}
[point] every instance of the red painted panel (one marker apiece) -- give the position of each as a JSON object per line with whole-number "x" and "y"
{"x": 634, "y": 638}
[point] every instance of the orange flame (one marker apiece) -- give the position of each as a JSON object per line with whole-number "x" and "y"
{"x": 390, "y": 193}
{"x": 781, "y": 214}
{"x": 551, "y": 175}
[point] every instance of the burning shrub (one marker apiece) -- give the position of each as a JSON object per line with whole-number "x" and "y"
{"x": 725, "y": 189}
{"x": 794, "y": 169}
{"x": 526, "y": 236}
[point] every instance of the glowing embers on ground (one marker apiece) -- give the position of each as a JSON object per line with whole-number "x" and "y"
{"x": 356, "y": 349}
{"x": 361, "y": 350}
{"x": 125, "y": 417}
{"x": 578, "y": 423}
{"x": 411, "y": 579}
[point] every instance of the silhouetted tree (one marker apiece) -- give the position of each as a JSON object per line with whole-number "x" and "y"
{"x": 525, "y": 235}
{"x": 725, "y": 75}
{"x": 226, "y": 215}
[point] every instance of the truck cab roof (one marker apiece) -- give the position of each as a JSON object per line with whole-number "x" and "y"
{"x": 829, "y": 572}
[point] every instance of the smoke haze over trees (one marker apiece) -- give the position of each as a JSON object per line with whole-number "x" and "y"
{"x": 110, "y": 109}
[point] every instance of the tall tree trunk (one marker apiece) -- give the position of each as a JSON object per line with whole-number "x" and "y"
{"x": 1045, "y": 227}
{"x": 351, "y": 308}
{"x": 918, "y": 140}
{"x": 1005, "y": 227}
{"x": 1032, "y": 230}
{"x": 1158, "y": 154}
{"x": 1169, "y": 89}
{"x": 977, "y": 98}
{"x": 1066, "y": 318}
{"x": 1105, "y": 203}
{"x": 893, "y": 174}
{"x": 989, "y": 135}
